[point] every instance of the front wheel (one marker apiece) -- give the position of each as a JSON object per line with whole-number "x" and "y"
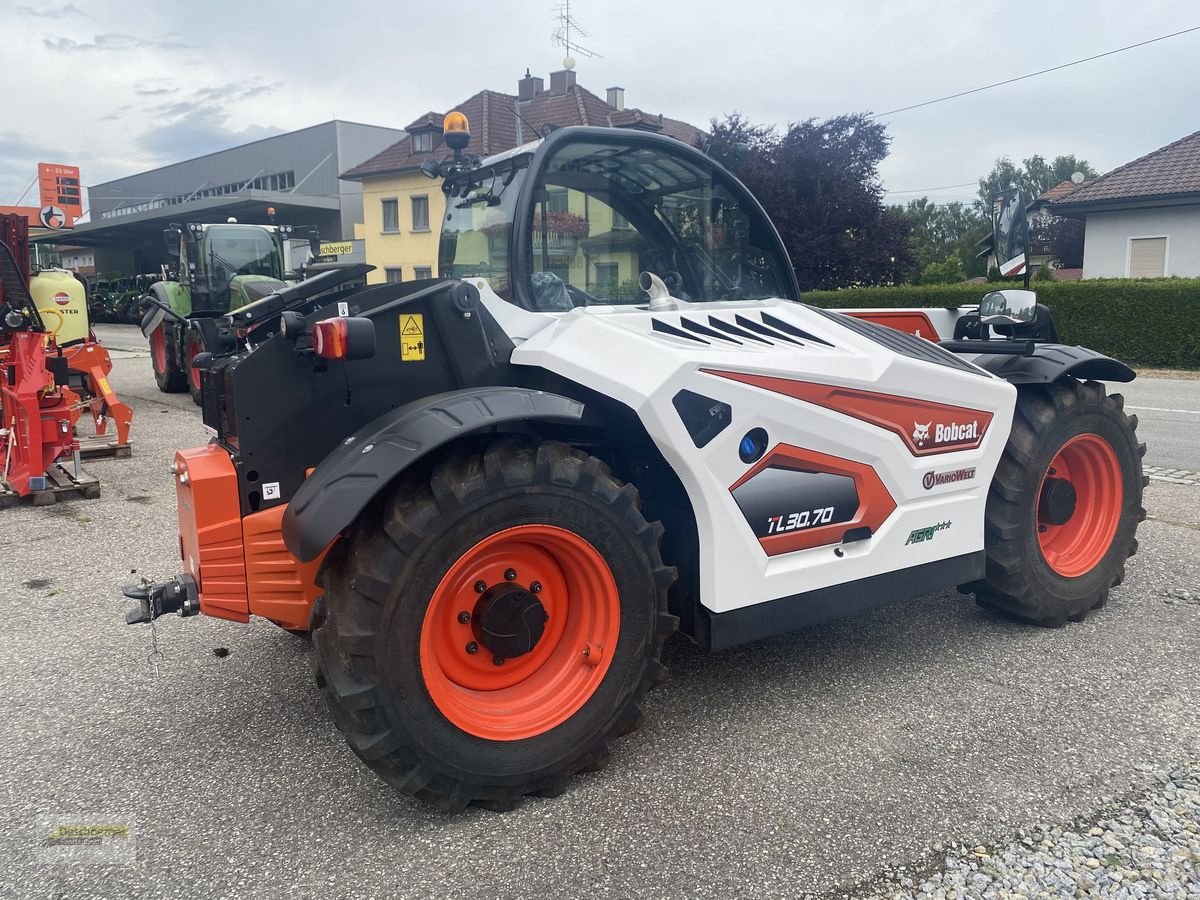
{"x": 164, "y": 357}
{"x": 1064, "y": 506}
{"x": 495, "y": 624}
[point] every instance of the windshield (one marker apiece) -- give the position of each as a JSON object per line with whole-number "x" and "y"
{"x": 604, "y": 213}
{"x": 239, "y": 250}
{"x": 480, "y": 210}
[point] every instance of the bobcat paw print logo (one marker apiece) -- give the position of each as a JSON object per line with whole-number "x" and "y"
{"x": 920, "y": 433}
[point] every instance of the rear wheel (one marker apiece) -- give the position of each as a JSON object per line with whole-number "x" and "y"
{"x": 1064, "y": 506}
{"x": 193, "y": 344}
{"x": 170, "y": 378}
{"x": 494, "y": 625}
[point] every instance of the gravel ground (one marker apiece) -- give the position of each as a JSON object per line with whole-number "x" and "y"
{"x": 1149, "y": 847}
{"x": 806, "y": 764}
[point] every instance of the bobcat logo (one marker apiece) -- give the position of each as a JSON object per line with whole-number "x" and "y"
{"x": 920, "y": 433}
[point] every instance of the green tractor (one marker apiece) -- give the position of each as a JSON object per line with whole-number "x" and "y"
{"x": 219, "y": 268}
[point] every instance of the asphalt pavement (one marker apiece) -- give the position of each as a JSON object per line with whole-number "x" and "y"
{"x": 804, "y": 764}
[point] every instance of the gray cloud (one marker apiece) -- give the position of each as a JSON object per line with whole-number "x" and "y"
{"x": 114, "y": 43}
{"x": 19, "y": 157}
{"x": 116, "y": 114}
{"x": 147, "y": 90}
{"x": 197, "y": 125}
{"x": 54, "y": 12}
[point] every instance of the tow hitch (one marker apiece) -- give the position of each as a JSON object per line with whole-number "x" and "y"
{"x": 154, "y": 600}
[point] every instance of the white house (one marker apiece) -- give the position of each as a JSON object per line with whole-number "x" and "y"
{"x": 1142, "y": 219}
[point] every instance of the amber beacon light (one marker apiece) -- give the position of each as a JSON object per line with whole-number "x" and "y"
{"x": 457, "y": 131}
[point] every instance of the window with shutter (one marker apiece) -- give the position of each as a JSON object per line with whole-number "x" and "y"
{"x": 1147, "y": 257}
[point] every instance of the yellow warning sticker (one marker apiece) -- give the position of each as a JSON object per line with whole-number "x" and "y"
{"x": 104, "y": 388}
{"x": 412, "y": 337}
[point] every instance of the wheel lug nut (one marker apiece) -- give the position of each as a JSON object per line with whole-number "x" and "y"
{"x": 480, "y": 586}
{"x": 497, "y": 660}
{"x": 472, "y": 647}
{"x": 464, "y": 617}
{"x": 536, "y": 587}
{"x": 510, "y": 574}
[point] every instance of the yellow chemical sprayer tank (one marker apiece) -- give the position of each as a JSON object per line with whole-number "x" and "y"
{"x": 62, "y": 301}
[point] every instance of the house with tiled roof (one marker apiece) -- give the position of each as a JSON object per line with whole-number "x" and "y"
{"x": 1039, "y": 214}
{"x": 1142, "y": 219}
{"x": 403, "y": 208}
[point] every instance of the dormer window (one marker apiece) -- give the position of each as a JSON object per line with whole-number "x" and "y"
{"x": 422, "y": 142}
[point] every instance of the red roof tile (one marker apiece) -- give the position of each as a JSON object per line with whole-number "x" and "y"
{"x": 496, "y": 126}
{"x": 1173, "y": 169}
{"x": 1057, "y": 192}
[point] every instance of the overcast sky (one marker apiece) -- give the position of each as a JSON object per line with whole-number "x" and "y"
{"x": 117, "y": 88}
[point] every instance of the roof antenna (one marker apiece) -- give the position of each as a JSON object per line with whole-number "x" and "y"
{"x": 561, "y": 36}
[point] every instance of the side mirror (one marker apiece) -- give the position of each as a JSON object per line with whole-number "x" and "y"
{"x": 1011, "y": 307}
{"x": 171, "y": 238}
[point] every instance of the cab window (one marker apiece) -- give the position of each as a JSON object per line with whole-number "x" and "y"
{"x": 604, "y": 213}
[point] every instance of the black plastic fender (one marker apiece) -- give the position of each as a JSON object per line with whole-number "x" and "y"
{"x": 1050, "y": 362}
{"x": 365, "y": 462}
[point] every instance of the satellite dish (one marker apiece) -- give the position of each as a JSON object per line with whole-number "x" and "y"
{"x": 1077, "y": 178}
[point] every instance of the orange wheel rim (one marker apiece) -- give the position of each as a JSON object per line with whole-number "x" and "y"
{"x": 194, "y": 373}
{"x": 1089, "y": 465}
{"x": 158, "y": 350}
{"x": 530, "y": 693}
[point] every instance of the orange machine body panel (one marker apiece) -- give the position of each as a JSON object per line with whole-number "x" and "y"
{"x": 93, "y": 361}
{"x": 282, "y": 588}
{"x": 910, "y": 322}
{"x": 945, "y": 428}
{"x": 210, "y": 530}
{"x": 241, "y": 566}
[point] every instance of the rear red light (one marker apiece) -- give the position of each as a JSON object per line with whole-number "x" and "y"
{"x": 330, "y": 338}
{"x": 344, "y": 337}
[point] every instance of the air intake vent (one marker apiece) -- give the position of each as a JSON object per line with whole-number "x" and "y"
{"x": 722, "y": 325}
{"x": 791, "y": 329}
{"x": 663, "y": 328}
{"x": 764, "y": 330}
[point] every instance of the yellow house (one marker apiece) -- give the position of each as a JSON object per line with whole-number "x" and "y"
{"x": 403, "y": 209}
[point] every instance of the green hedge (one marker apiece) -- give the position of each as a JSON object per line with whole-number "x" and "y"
{"x": 1148, "y": 323}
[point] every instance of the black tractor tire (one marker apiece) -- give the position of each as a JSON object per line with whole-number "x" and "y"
{"x": 193, "y": 344}
{"x": 384, "y": 585}
{"x": 1041, "y": 569}
{"x": 164, "y": 357}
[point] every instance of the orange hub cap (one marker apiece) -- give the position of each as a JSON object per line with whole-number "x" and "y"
{"x": 1079, "y": 505}
{"x": 520, "y": 632}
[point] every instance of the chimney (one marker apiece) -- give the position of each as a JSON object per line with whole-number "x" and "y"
{"x": 616, "y": 97}
{"x": 528, "y": 87}
{"x": 561, "y": 82}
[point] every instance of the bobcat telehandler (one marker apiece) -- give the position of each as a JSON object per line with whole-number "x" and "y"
{"x": 492, "y": 496}
{"x": 218, "y": 269}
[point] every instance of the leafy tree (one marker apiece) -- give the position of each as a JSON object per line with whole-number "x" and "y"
{"x": 947, "y": 272}
{"x": 1034, "y": 176}
{"x": 941, "y": 232}
{"x": 819, "y": 183}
